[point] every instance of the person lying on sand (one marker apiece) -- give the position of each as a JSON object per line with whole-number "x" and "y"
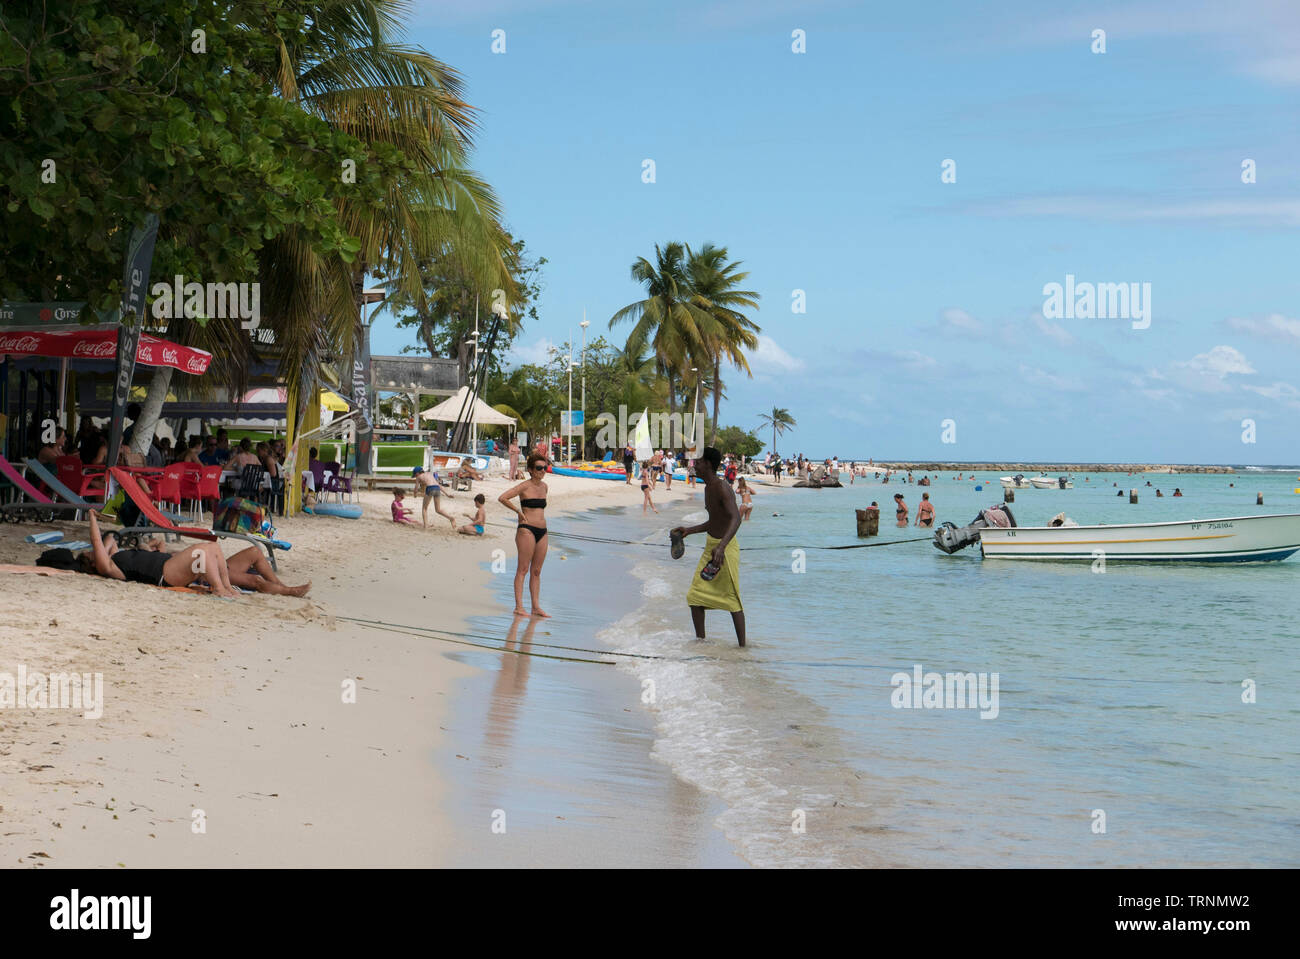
{"x": 248, "y": 569}
{"x": 477, "y": 520}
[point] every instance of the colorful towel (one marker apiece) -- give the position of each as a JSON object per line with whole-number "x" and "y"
{"x": 723, "y": 591}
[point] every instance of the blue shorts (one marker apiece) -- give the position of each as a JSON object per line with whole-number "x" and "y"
{"x": 433, "y": 490}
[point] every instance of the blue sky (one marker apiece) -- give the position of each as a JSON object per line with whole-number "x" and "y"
{"x": 821, "y": 171}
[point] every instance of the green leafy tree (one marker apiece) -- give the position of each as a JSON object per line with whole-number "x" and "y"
{"x": 732, "y": 439}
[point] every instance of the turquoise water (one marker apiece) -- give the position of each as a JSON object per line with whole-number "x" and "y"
{"x": 1118, "y": 693}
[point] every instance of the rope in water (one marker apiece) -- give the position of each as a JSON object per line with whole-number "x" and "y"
{"x": 627, "y": 542}
{"x": 408, "y": 631}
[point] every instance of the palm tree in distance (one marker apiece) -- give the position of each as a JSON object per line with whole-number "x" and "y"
{"x": 779, "y": 419}
{"x": 713, "y": 285}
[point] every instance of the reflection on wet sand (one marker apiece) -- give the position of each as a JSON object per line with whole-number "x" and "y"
{"x": 508, "y": 689}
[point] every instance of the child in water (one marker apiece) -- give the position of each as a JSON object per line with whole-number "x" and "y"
{"x": 477, "y": 520}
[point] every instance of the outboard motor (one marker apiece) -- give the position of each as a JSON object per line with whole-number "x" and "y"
{"x": 949, "y": 537}
{"x": 1060, "y": 481}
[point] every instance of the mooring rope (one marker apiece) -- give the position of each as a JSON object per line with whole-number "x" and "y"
{"x": 628, "y": 542}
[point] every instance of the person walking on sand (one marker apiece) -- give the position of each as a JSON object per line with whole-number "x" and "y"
{"x": 716, "y": 583}
{"x": 647, "y": 484}
{"x": 530, "y": 537}
{"x": 746, "y": 498}
{"x": 433, "y": 491}
{"x": 900, "y": 509}
{"x": 925, "y": 512}
{"x": 629, "y": 458}
{"x": 514, "y": 458}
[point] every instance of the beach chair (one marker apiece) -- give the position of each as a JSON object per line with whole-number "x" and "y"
{"x": 250, "y": 483}
{"x": 38, "y": 469}
{"x": 337, "y": 483}
{"x": 32, "y": 503}
{"x": 161, "y": 524}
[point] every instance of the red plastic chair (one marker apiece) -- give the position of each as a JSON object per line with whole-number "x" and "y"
{"x": 73, "y": 475}
{"x": 209, "y": 486}
{"x": 190, "y": 475}
{"x": 167, "y": 489}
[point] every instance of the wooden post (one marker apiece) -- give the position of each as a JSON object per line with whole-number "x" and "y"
{"x": 868, "y": 522}
{"x": 1259, "y": 499}
{"x": 1008, "y": 496}
{"x": 1132, "y": 496}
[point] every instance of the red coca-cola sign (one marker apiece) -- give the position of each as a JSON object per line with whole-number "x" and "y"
{"x": 104, "y": 349}
{"x": 19, "y": 343}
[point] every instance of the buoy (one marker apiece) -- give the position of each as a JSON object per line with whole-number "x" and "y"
{"x": 980, "y": 488}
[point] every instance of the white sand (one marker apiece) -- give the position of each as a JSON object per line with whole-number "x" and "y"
{"x": 235, "y": 707}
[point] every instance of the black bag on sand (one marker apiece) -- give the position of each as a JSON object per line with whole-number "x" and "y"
{"x": 58, "y": 558}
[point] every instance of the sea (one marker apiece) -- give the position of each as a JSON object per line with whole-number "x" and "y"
{"x": 1143, "y": 716}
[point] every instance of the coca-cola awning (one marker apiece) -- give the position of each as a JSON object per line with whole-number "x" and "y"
{"x": 101, "y": 344}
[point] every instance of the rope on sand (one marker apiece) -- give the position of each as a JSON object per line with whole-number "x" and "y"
{"x": 499, "y": 639}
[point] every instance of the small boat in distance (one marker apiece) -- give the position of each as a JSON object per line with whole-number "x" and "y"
{"x": 1048, "y": 482}
{"x": 1015, "y": 482}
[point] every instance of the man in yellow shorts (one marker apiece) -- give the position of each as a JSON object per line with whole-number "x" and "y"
{"x": 720, "y": 561}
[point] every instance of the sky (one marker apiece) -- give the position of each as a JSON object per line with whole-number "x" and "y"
{"x": 923, "y": 331}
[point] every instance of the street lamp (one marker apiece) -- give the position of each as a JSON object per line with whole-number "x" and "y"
{"x": 584, "y": 324}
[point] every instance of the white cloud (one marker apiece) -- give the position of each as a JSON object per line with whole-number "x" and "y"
{"x": 1207, "y": 372}
{"x": 538, "y": 352}
{"x": 770, "y": 358}
{"x": 1036, "y": 377}
{"x": 1274, "y": 326}
{"x": 1284, "y": 393}
{"x": 955, "y": 321}
{"x": 1270, "y": 212}
{"x": 1053, "y": 331}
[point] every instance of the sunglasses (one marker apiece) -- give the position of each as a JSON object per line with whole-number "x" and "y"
{"x": 539, "y": 466}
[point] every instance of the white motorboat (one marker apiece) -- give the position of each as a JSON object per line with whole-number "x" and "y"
{"x": 1015, "y": 482}
{"x": 1230, "y": 539}
{"x": 1049, "y": 482}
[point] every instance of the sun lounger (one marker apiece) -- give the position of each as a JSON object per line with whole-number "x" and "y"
{"x": 161, "y": 524}
{"x": 36, "y": 467}
{"x": 37, "y": 504}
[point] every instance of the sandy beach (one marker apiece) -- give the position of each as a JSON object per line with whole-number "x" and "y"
{"x": 225, "y": 740}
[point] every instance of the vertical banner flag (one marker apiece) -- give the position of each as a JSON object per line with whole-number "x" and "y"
{"x": 135, "y": 281}
{"x": 361, "y": 400}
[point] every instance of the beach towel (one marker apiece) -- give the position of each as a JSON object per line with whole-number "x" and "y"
{"x": 723, "y": 591}
{"x": 236, "y": 515}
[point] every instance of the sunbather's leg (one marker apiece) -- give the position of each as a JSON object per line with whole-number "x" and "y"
{"x": 191, "y": 563}
{"x": 525, "y": 543}
{"x": 250, "y": 569}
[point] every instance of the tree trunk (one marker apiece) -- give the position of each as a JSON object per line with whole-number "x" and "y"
{"x": 151, "y": 410}
{"x": 717, "y": 396}
{"x": 672, "y": 408}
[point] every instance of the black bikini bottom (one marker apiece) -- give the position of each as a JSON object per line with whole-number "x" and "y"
{"x": 539, "y": 532}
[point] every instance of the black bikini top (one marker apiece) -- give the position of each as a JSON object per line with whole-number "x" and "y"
{"x": 532, "y": 503}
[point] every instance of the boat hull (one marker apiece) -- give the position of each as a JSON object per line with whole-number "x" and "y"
{"x": 1235, "y": 539}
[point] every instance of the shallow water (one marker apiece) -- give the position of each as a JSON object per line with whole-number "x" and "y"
{"x": 1118, "y": 693}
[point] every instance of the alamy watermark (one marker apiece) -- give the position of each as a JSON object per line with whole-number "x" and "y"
{"x": 921, "y": 690}
{"x": 665, "y": 430}
{"x": 1100, "y": 301}
{"x": 36, "y": 690}
{"x": 240, "y": 301}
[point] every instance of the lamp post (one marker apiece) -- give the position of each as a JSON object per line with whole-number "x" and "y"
{"x": 568, "y": 434}
{"x": 585, "y": 323}
{"x": 695, "y": 412}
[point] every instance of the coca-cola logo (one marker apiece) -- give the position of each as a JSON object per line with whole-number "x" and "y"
{"x": 19, "y": 344}
{"x": 195, "y": 364}
{"x": 144, "y": 353}
{"x": 95, "y": 349}
{"x": 169, "y": 356}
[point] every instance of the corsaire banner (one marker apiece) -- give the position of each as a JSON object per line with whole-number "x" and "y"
{"x": 135, "y": 281}
{"x": 361, "y": 400}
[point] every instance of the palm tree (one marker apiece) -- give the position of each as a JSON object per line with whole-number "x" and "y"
{"x": 667, "y": 320}
{"x": 780, "y": 420}
{"x": 713, "y": 286}
{"x": 349, "y": 68}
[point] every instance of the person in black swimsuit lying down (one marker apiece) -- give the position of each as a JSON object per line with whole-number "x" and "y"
{"x": 530, "y": 538}
{"x": 248, "y": 569}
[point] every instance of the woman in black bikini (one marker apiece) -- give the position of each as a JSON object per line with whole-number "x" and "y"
{"x": 530, "y": 538}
